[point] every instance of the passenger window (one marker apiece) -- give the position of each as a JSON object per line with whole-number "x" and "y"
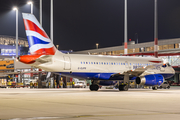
{"x": 111, "y": 63}
{"x": 91, "y": 62}
{"x": 104, "y": 63}
{"x": 83, "y": 62}
{"x": 96, "y": 62}
{"x": 86, "y": 62}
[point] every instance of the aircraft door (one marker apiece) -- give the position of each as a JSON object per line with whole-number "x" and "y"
{"x": 67, "y": 63}
{"x": 126, "y": 64}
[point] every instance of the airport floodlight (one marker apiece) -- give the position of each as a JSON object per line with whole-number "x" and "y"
{"x": 30, "y": 2}
{"x": 97, "y": 44}
{"x": 15, "y": 8}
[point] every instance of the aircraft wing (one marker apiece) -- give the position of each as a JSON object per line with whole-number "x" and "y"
{"x": 136, "y": 72}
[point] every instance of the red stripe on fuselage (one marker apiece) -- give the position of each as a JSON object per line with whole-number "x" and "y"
{"x": 29, "y": 25}
{"x": 45, "y": 51}
{"x": 156, "y": 61}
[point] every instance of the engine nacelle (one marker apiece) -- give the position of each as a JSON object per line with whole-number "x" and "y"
{"x": 150, "y": 80}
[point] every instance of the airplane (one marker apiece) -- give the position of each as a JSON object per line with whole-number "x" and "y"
{"x": 101, "y": 69}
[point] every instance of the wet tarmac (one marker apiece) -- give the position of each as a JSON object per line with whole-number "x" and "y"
{"x": 82, "y": 104}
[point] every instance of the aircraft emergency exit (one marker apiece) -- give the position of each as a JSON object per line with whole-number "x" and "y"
{"x": 102, "y": 70}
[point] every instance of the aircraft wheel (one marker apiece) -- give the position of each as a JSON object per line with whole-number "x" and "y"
{"x": 168, "y": 87}
{"x": 94, "y": 87}
{"x": 120, "y": 87}
{"x": 154, "y": 88}
{"x": 125, "y": 88}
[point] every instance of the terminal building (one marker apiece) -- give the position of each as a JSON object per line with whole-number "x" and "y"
{"x": 8, "y": 46}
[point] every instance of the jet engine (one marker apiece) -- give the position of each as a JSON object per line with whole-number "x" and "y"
{"x": 150, "y": 80}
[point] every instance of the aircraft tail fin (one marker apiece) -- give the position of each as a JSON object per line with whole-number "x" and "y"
{"x": 39, "y": 42}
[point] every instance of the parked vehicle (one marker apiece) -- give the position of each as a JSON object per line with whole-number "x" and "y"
{"x": 80, "y": 84}
{"x": 164, "y": 85}
{"x": 10, "y": 65}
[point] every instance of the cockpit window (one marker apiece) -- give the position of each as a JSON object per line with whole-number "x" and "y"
{"x": 168, "y": 65}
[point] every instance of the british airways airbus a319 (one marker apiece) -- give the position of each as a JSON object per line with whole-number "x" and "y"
{"x": 102, "y": 70}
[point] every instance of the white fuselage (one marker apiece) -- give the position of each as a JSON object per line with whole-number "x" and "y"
{"x": 86, "y": 66}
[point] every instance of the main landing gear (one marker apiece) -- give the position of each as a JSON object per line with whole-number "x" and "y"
{"x": 124, "y": 86}
{"x": 154, "y": 87}
{"x": 94, "y": 87}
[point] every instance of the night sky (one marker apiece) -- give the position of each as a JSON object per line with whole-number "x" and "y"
{"x": 80, "y": 24}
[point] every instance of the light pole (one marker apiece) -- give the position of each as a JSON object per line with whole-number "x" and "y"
{"x": 125, "y": 27}
{"x": 97, "y": 45}
{"x": 16, "y": 9}
{"x": 31, "y": 3}
{"x": 155, "y": 29}
{"x": 136, "y": 37}
{"x": 40, "y": 12}
{"x": 52, "y": 20}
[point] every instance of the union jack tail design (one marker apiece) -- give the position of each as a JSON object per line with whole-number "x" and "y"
{"x": 39, "y": 42}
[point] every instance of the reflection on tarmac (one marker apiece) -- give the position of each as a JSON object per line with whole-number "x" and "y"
{"x": 82, "y": 104}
